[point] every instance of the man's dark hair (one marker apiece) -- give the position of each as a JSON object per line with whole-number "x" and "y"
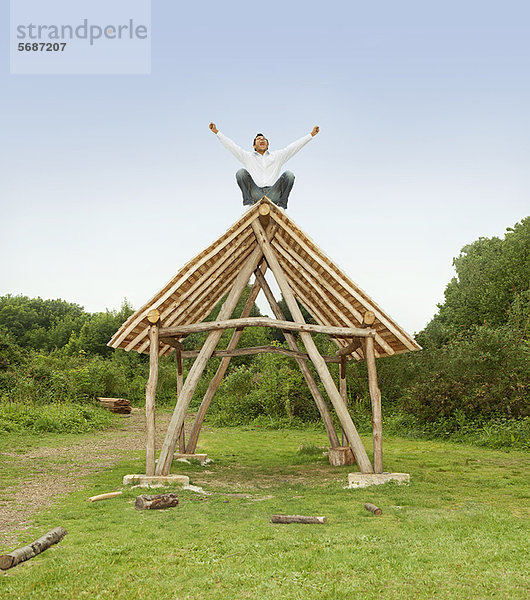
{"x": 257, "y": 136}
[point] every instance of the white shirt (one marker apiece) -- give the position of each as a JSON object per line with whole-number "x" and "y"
{"x": 265, "y": 169}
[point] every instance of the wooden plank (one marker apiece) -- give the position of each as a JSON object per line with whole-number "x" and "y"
{"x": 357, "y": 447}
{"x": 321, "y": 282}
{"x": 341, "y": 278}
{"x": 221, "y": 370}
{"x": 182, "y": 276}
{"x": 309, "y": 305}
{"x": 309, "y": 379}
{"x": 150, "y": 394}
{"x": 221, "y": 324}
{"x": 204, "y": 298}
{"x": 168, "y": 447}
{"x": 375, "y": 395}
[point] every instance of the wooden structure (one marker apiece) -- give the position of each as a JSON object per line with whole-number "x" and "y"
{"x": 263, "y": 239}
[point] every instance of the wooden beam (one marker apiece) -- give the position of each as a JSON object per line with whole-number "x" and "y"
{"x": 221, "y": 370}
{"x": 343, "y": 389}
{"x": 299, "y": 265}
{"x": 325, "y": 376}
{"x": 290, "y": 229}
{"x": 221, "y": 324}
{"x": 180, "y": 382}
{"x": 257, "y": 350}
{"x": 184, "y": 275}
{"x": 311, "y": 383}
{"x": 150, "y": 395}
{"x": 350, "y": 348}
{"x": 168, "y": 447}
{"x": 375, "y": 395}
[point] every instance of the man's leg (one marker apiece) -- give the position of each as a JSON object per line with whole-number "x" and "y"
{"x": 279, "y": 192}
{"x": 251, "y": 192}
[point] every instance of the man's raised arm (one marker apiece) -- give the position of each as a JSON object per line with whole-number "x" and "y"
{"x": 290, "y": 150}
{"x": 238, "y": 152}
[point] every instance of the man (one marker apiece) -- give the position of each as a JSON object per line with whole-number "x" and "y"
{"x": 261, "y": 175}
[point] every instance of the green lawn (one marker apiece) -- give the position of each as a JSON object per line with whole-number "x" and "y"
{"x": 459, "y": 530}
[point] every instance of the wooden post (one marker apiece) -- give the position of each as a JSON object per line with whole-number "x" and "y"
{"x": 168, "y": 447}
{"x": 375, "y": 396}
{"x": 343, "y": 390}
{"x": 221, "y": 370}
{"x": 180, "y": 376}
{"x": 311, "y": 383}
{"x": 344, "y": 417}
{"x": 150, "y": 392}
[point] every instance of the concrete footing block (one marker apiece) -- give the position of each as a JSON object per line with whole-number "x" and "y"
{"x": 156, "y": 480}
{"x": 362, "y": 480}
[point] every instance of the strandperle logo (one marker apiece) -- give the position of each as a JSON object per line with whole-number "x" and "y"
{"x": 84, "y": 31}
{"x": 72, "y": 37}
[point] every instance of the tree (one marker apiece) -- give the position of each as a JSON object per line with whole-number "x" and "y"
{"x": 491, "y": 274}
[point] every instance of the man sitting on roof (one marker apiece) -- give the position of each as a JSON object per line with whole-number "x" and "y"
{"x": 261, "y": 175}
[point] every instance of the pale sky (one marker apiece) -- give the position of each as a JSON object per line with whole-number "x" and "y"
{"x": 110, "y": 183}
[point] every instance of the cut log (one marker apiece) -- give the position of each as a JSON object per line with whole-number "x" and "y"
{"x": 152, "y": 502}
{"x": 340, "y": 456}
{"x": 22, "y": 554}
{"x": 104, "y": 496}
{"x": 116, "y": 405}
{"x": 373, "y": 508}
{"x": 296, "y": 519}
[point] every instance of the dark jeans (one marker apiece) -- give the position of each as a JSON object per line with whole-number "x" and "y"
{"x": 277, "y": 193}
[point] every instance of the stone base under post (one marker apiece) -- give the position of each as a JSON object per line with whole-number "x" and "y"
{"x": 362, "y": 480}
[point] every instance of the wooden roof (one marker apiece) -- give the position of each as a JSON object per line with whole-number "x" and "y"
{"x": 327, "y": 293}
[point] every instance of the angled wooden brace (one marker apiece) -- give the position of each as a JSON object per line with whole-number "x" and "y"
{"x": 342, "y": 412}
{"x": 177, "y": 420}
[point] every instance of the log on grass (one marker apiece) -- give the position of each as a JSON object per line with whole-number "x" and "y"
{"x": 373, "y": 508}
{"x": 22, "y": 554}
{"x": 104, "y": 496}
{"x": 156, "y": 501}
{"x": 296, "y": 519}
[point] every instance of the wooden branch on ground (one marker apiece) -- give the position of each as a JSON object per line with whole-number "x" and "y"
{"x": 373, "y": 508}
{"x": 119, "y": 406}
{"x": 104, "y": 496}
{"x": 346, "y": 332}
{"x": 154, "y": 502}
{"x": 258, "y": 350}
{"x": 22, "y": 554}
{"x": 296, "y": 519}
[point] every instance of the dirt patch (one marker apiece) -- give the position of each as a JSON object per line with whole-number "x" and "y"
{"x": 48, "y": 473}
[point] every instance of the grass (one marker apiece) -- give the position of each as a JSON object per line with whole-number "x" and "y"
{"x": 459, "y": 530}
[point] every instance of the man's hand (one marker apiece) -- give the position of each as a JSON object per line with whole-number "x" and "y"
{"x": 215, "y": 130}
{"x": 316, "y": 129}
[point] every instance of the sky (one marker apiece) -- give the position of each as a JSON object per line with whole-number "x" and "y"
{"x": 111, "y": 183}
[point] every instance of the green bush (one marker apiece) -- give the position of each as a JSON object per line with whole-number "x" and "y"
{"x": 53, "y": 418}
